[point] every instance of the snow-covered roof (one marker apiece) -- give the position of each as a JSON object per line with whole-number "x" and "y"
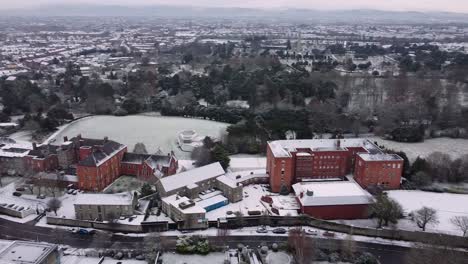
{"x": 282, "y": 148}
{"x": 379, "y": 157}
{"x": 175, "y": 200}
{"x": 187, "y": 178}
{"x": 12, "y": 148}
{"x": 104, "y": 199}
{"x": 331, "y": 193}
{"x": 22, "y": 252}
{"x": 227, "y": 181}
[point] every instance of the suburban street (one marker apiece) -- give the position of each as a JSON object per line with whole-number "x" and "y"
{"x": 10, "y": 230}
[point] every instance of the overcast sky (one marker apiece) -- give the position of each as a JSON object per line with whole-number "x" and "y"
{"x": 416, "y": 5}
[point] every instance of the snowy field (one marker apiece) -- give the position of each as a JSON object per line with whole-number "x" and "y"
{"x": 454, "y": 147}
{"x": 156, "y": 132}
{"x": 447, "y": 205}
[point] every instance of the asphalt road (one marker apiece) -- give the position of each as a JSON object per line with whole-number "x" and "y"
{"x": 388, "y": 254}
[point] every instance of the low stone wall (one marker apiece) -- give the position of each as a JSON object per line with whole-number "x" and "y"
{"x": 68, "y": 222}
{"x": 413, "y": 236}
{"x": 91, "y": 224}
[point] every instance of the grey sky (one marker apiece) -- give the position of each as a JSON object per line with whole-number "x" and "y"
{"x": 416, "y": 5}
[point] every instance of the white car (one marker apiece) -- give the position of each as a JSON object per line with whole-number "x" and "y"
{"x": 312, "y": 232}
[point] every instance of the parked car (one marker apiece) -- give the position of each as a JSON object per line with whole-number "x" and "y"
{"x": 17, "y": 194}
{"x": 75, "y": 192}
{"x": 20, "y": 189}
{"x": 41, "y": 196}
{"x": 73, "y": 230}
{"x": 312, "y": 232}
{"x": 83, "y": 231}
{"x": 262, "y": 230}
{"x": 70, "y": 191}
{"x": 328, "y": 234}
{"x": 279, "y": 230}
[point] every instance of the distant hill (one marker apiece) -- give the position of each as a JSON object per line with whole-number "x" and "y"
{"x": 339, "y": 16}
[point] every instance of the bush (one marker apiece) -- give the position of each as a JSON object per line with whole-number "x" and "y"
{"x": 120, "y": 112}
{"x": 366, "y": 258}
{"x": 193, "y": 245}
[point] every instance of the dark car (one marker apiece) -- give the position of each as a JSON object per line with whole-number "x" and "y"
{"x": 20, "y": 189}
{"x": 328, "y": 234}
{"x": 279, "y": 230}
{"x": 18, "y": 194}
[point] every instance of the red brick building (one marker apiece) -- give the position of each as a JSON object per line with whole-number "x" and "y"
{"x": 98, "y": 163}
{"x": 149, "y": 167}
{"x": 41, "y": 158}
{"x": 378, "y": 170}
{"x": 333, "y": 200}
{"x": 291, "y": 161}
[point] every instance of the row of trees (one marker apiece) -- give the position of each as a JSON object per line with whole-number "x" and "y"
{"x": 439, "y": 167}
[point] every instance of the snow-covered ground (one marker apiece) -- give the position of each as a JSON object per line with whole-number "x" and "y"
{"x": 26, "y": 200}
{"x": 124, "y": 184}
{"x": 156, "y": 132}
{"x": 447, "y": 205}
{"x": 454, "y": 147}
{"x": 173, "y": 258}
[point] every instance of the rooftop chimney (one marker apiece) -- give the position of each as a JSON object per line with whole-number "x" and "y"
{"x": 34, "y": 145}
{"x": 65, "y": 139}
{"x": 106, "y": 139}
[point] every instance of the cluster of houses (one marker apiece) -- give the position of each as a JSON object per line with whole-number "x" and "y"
{"x": 95, "y": 162}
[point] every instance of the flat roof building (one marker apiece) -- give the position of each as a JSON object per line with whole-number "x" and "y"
{"x": 23, "y": 252}
{"x": 292, "y": 161}
{"x": 333, "y": 200}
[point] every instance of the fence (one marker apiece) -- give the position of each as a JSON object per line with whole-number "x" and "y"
{"x": 412, "y": 236}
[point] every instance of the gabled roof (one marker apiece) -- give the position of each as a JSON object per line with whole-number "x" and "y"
{"x": 194, "y": 176}
{"x": 43, "y": 151}
{"x": 101, "y": 153}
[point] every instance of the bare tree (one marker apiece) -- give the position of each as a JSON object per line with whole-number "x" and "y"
{"x": 222, "y": 235}
{"x": 265, "y": 219}
{"x": 348, "y": 247}
{"x": 140, "y": 148}
{"x": 424, "y": 216}
{"x": 301, "y": 246}
{"x": 461, "y": 222}
{"x": 239, "y": 217}
{"x": 54, "y": 204}
{"x": 440, "y": 165}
